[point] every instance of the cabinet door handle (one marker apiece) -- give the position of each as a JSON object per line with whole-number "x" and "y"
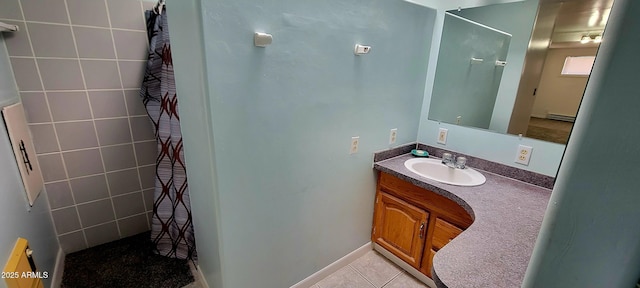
{"x": 421, "y": 229}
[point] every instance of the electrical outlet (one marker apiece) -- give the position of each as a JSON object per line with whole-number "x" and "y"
{"x": 355, "y": 141}
{"x": 393, "y": 135}
{"x": 524, "y": 154}
{"x": 442, "y": 136}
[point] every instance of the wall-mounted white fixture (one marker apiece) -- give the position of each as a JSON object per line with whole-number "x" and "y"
{"x": 24, "y": 150}
{"x": 476, "y": 60}
{"x": 361, "y": 49}
{"x": 262, "y": 39}
{"x": 4, "y": 27}
{"x": 501, "y": 63}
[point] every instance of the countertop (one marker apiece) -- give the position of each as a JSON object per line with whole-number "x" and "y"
{"x": 495, "y": 250}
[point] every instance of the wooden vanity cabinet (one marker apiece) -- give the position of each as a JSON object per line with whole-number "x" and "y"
{"x": 414, "y": 223}
{"x": 400, "y": 228}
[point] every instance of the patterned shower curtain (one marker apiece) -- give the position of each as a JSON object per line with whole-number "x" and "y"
{"x": 172, "y": 228}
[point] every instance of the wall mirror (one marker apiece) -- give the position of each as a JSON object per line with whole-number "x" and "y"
{"x": 517, "y": 68}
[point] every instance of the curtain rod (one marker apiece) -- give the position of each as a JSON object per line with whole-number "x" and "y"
{"x": 4, "y": 27}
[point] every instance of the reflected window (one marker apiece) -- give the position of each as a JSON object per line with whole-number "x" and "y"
{"x": 578, "y": 66}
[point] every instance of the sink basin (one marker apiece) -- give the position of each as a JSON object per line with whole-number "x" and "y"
{"x": 434, "y": 169}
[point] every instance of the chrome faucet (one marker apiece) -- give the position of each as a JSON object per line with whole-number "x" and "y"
{"x": 454, "y": 162}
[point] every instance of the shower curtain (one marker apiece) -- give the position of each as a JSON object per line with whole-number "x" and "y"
{"x": 172, "y": 228}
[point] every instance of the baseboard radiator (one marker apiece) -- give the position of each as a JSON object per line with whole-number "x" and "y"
{"x": 561, "y": 117}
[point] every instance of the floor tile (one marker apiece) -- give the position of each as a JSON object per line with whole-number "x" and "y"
{"x": 344, "y": 278}
{"x": 375, "y": 268}
{"x": 405, "y": 281}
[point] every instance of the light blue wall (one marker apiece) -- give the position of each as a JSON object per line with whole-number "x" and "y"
{"x": 191, "y": 83}
{"x": 287, "y": 197}
{"x": 17, "y": 219}
{"x": 485, "y": 144}
{"x": 516, "y": 19}
{"x": 590, "y": 236}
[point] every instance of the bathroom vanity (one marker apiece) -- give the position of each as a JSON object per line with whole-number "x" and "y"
{"x": 414, "y": 223}
{"x": 479, "y": 236}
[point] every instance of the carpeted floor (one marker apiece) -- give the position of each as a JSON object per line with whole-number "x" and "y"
{"x": 128, "y": 262}
{"x": 549, "y": 130}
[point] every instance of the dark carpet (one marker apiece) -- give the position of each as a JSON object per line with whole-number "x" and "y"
{"x": 129, "y": 262}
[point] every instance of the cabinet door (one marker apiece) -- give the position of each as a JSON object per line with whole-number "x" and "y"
{"x": 427, "y": 262}
{"x": 400, "y": 228}
{"x": 443, "y": 233}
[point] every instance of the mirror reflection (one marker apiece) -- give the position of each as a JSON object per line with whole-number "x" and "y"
{"x": 517, "y": 68}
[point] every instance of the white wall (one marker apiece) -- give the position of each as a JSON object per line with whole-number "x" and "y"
{"x": 590, "y": 233}
{"x": 558, "y": 93}
{"x": 17, "y": 219}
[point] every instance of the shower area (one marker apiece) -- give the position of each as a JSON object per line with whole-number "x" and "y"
{"x": 79, "y": 67}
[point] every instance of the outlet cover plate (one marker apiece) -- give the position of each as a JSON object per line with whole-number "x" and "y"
{"x": 393, "y": 135}
{"x": 524, "y": 154}
{"x": 442, "y": 136}
{"x": 355, "y": 141}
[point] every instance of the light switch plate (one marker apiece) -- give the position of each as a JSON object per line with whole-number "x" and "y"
{"x": 442, "y": 136}
{"x": 524, "y": 154}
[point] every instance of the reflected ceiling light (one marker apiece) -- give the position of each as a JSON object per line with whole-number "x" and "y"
{"x": 593, "y": 20}
{"x": 605, "y": 17}
{"x": 597, "y": 39}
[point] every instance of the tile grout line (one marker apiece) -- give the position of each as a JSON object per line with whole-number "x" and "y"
{"x": 95, "y": 128}
{"x": 100, "y": 199}
{"x": 92, "y": 148}
{"x": 361, "y": 275}
{"x": 77, "y": 58}
{"x": 85, "y": 90}
{"x": 93, "y": 226}
{"x": 135, "y": 151}
{"x": 97, "y": 174}
{"x": 87, "y": 120}
{"x": 124, "y": 96}
{"x": 71, "y": 24}
{"x": 393, "y": 278}
{"x": 46, "y": 98}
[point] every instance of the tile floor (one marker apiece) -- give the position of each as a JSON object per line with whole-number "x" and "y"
{"x": 369, "y": 271}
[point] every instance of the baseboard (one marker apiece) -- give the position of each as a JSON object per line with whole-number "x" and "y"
{"x": 413, "y": 271}
{"x": 199, "y": 276}
{"x": 58, "y": 270}
{"x": 333, "y": 267}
